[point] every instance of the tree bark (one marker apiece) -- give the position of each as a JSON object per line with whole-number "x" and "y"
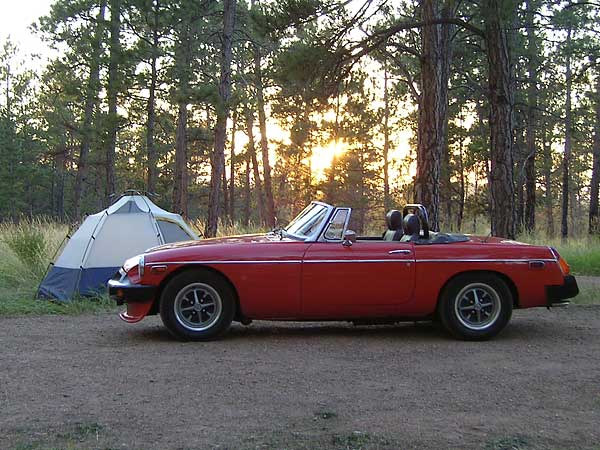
{"x": 256, "y": 172}
{"x": 461, "y": 199}
{"x": 247, "y": 193}
{"x": 231, "y": 205}
{"x": 91, "y": 102}
{"x": 564, "y": 224}
{"x": 180, "y": 186}
{"x": 217, "y": 157}
{"x": 224, "y": 187}
{"x": 594, "y": 217}
{"x": 386, "y": 139}
{"x": 448, "y": 13}
{"x": 532, "y": 97}
{"x": 270, "y": 213}
{"x": 547, "y": 156}
{"x": 501, "y": 122}
{"x": 60, "y": 167}
{"x": 180, "y": 173}
{"x": 520, "y": 157}
{"x": 433, "y": 103}
{"x": 112, "y": 95}
{"x": 152, "y": 154}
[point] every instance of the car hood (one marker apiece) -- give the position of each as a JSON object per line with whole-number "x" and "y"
{"x": 242, "y": 239}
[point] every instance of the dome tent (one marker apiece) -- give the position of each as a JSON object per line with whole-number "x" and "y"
{"x": 98, "y": 248}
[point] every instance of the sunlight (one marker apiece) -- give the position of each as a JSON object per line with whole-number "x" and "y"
{"x": 323, "y": 155}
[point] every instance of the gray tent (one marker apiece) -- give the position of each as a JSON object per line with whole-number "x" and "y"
{"x": 105, "y": 240}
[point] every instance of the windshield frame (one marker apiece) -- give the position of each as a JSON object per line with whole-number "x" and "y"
{"x": 329, "y": 210}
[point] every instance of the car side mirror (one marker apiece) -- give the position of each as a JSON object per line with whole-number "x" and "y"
{"x": 349, "y": 238}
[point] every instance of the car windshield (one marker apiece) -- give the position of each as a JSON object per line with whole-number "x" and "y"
{"x": 308, "y": 221}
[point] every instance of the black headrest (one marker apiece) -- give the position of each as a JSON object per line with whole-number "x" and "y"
{"x": 393, "y": 219}
{"x": 412, "y": 225}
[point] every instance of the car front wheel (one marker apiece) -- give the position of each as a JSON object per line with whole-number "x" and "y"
{"x": 197, "y": 305}
{"x": 475, "y": 306}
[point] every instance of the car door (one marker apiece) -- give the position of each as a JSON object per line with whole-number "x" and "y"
{"x": 366, "y": 279}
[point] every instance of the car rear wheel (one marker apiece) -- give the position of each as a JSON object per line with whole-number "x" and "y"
{"x": 475, "y": 306}
{"x": 197, "y": 305}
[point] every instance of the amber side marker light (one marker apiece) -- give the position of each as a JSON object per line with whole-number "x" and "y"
{"x": 564, "y": 267}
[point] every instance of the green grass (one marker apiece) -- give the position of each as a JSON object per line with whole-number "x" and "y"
{"x": 28, "y": 247}
{"x": 26, "y": 250}
{"x": 588, "y": 295}
{"x": 68, "y": 437}
{"x": 582, "y": 253}
{"x": 507, "y": 443}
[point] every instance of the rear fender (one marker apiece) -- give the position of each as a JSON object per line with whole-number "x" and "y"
{"x": 510, "y": 283}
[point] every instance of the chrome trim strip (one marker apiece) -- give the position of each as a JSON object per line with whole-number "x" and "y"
{"x": 274, "y": 261}
{"x": 314, "y": 261}
{"x": 484, "y": 260}
{"x": 391, "y": 260}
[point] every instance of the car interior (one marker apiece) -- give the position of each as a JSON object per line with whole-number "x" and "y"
{"x": 411, "y": 225}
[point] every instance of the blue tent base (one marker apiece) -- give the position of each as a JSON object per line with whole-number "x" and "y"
{"x": 63, "y": 284}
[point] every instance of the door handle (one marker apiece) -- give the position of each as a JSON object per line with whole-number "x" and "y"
{"x": 400, "y": 252}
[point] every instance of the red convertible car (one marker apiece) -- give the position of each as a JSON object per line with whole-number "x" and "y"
{"x": 318, "y": 269}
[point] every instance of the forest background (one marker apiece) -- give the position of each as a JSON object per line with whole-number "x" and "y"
{"x": 487, "y": 112}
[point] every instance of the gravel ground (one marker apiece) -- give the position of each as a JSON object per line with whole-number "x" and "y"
{"x": 96, "y": 382}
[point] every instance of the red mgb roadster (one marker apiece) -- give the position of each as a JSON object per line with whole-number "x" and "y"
{"x": 317, "y": 269}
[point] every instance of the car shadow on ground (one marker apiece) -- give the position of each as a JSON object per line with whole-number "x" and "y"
{"x": 517, "y": 330}
{"x": 291, "y": 331}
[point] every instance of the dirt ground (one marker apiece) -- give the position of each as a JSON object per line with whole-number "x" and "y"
{"x": 96, "y": 382}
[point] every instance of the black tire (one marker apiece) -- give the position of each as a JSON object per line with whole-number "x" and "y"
{"x": 462, "y": 306}
{"x": 197, "y": 305}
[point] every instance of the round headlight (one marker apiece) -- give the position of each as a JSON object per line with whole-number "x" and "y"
{"x": 131, "y": 263}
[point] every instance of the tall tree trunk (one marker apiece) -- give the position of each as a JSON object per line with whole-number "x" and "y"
{"x": 180, "y": 186}
{"x": 532, "y": 100}
{"x": 260, "y": 200}
{"x": 231, "y": 205}
{"x": 217, "y": 157}
{"x": 152, "y": 169}
{"x": 225, "y": 190}
{"x": 386, "y": 139}
{"x": 448, "y": 12}
{"x": 547, "y": 155}
{"x": 502, "y": 190}
{"x": 520, "y": 157}
{"x": 182, "y": 64}
{"x": 58, "y": 196}
{"x": 91, "y": 102}
{"x": 270, "y": 213}
{"x": 247, "y": 193}
{"x": 433, "y": 104}
{"x": 594, "y": 219}
{"x": 461, "y": 199}
{"x": 112, "y": 94}
{"x": 564, "y": 224}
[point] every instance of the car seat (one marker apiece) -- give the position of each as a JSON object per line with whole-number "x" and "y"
{"x": 393, "y": 219}
{"x": 412, "y": 228}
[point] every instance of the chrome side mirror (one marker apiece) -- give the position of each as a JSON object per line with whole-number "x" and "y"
{"x": 349, "y": 238}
